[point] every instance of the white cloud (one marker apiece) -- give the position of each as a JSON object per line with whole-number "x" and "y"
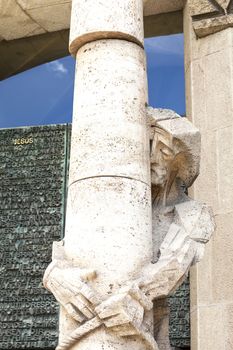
{"x": 173, "y": 45}
{"x": 57, "y": 67}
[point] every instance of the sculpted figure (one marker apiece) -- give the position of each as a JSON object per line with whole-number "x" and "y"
{"x": 181, "y": 228}
{"x": 175, "y": 159}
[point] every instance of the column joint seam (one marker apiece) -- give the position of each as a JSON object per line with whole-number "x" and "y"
{"x": 107, "y": 176}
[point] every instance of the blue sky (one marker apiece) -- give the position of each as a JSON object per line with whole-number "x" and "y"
{"x": 43, "y": 95}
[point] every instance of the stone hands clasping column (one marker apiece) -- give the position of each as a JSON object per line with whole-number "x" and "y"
{"x": 108, "y": 222}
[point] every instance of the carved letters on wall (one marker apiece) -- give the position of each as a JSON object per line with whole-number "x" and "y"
{"x": 179, "y": 322}
{"x": 211, "y": 16}
{"x": 32, "y": 182}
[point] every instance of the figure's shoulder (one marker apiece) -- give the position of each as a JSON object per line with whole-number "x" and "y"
{"x": 196, "y": 218}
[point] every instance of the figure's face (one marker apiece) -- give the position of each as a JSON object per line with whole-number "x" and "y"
{"x": 161, "y": 157}
{"x": 158, "y": 175}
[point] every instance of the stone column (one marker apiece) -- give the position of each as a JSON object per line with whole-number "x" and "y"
{"x": 209, "y": 88}
{"x": 108, "y": 222}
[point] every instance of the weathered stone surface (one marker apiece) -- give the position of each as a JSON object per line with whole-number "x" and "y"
{"x": 122, "y": 105}
{"x": 222, "y": 280}
{"x": 32, "y": 185}
{"x": 59, "y": 19}
{"x": 131, "y": 200}
{"x": 152, "y": 7}
{"x": 33, "y": 4}
{"x": 100, "y": 20}
{"x": 15, "y": 23}
{"x": 211, "y": 16}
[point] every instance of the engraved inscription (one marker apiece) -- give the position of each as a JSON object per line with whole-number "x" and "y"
{"x": 23, "y": 141}
{"x": 32, "y": 186}
{"x": 180, "y": 317}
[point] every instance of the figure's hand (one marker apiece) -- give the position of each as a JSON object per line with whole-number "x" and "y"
{"x": 70, "y": 287}
{"x": 123, "y": 313}
{"x": 82, "y": 298}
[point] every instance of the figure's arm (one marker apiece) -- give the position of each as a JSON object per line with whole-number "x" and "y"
{"x": 182, "y": 246}
{"x": 178, "y": 252}
{"x": 69, "y": 285}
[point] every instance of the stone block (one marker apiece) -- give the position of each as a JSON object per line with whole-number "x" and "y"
{"x": 56, "y": 19}
{"x": 212, "y": 44}
{"x": 214, "y": 107}
{"x": 206, "y": 186}
{"x": 201, "y": 280}
{"x": 209, "y": 333}
{"x": 194, "y": 329}
{"x": 152, "y": 7}
{"x": 15, "y": 23}
{"x": 225, "y": 168}
{"x": 218, "y": 82}
{"x": 197, "y": 49}
{"x": 32, "y": 4}
{"x": 197, "y": 87}
{"x": 228, "y": 323}
{"x": 222, "y": 259}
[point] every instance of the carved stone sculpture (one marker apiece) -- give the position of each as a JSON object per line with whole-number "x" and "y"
{"x": 181, "y": 228}
{"x": 175, "y": 158}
